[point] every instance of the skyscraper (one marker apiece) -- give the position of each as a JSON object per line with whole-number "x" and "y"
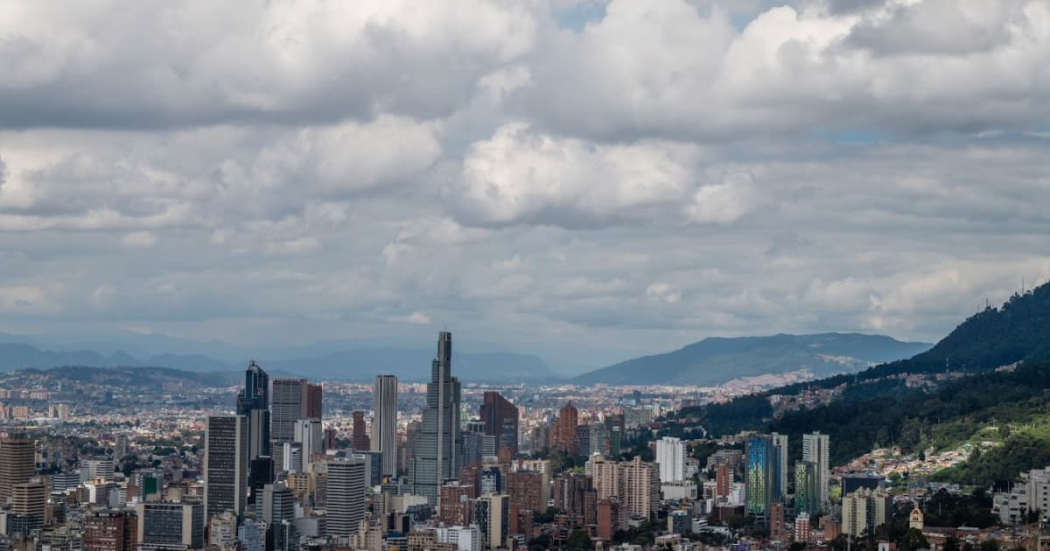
{"x": 289, "y": 405}
{"x": 807, "y": 498}
{"x": 782, "y": 472}
{"x": 436, "y": 457}
{"x": 670, "y": 454}
{"x": 501, "y": 421}
{"x": 360, "y": 440}
{"x": 253, "y": 402}
{"x": 492, "y": 515}
{"x": 225, "y": 464}
{"x": 762, "y": 479}
{"x": 308, "y": 435}
{"x": 815, "y": 450}
{"x": 563, "y": 433}
{"x": 17, "y": 464}
{"x": 384, "y": 422}
{"x": 278, "y": 512}
{"x": 314, "y": 402}
{"x": 346, "y": 496}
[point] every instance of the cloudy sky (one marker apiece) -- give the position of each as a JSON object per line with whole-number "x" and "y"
{"x": 583, "y": 179}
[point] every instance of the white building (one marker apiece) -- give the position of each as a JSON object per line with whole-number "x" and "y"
{"x": 670, "y": 454}
{"x": 465, "y": 538}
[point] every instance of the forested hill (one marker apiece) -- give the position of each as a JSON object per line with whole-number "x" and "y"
{"x": 878, "y": 409}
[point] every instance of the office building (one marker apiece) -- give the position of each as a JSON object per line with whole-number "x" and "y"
{"x": 292, "y": 457}
{"x": 308, "y": 435}
{"x": 807, "y": 489}
{"x": 345, "y": 495}
{"x": 780, "y": 442}
{"x": 29, "y": 500}
{"x": 289, "y": 405}
{"x": 492, "y": 515}
{"x": 225, "y": 464}
{"x": 164, "y": 525}
{"x": 815, "y": 450}
{"x": 501, "y": 421}
{"x": 17, "y": 464}
{"x": 438, "y": 443}
{"x": 96, "y": 469}
{"x": 575, "y": 494}
{"x": 762, "y": 484}
{"x": 670, "y": 455}
{"x": 260, "y": 473}
{"x": 465, "y": 538}
{"x": 360, "y": 440}
{"x": 314, "y": 402}
{"x": 253, "y": 402}
{"x": 278, "y": 512}
{"x": 110, "y": 530}
{"x": 384, "y": 423}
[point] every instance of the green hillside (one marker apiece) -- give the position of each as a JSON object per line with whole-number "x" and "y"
{"x": 1009, "y": 408}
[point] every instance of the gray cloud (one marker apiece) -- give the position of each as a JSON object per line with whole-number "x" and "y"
{"x": 660, "y": 174}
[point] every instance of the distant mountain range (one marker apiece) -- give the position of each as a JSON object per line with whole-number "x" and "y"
{"x": 354, "y": 364}
{"x": 716, "y": 360}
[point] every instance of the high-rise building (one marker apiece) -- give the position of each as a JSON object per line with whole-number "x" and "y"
{"x": 807, "y": 491}
{"x": 815, "y": 449}
{"x": 308, "y": 435}
{"x": 253, "y": 402}
{"x": 612, "y": 517}
{"x": 17, "y": 464}
{"x": 780, "y": 441}
{"x": 110, "y": 531}
{"x": 436, "y": 456}
{"x": 360, "y": 440}
{"x": 525, "y": 490}
{"x": 225, "y": 464}
{"x": 802, "y": 528}
{"x": 278, "y": 512}
{"x": 492, "y": 515}
{"x": 384, "y": 423}
{"x": 670, "y": 455}
{"x": 777, "y": 528}
{"x": 260, "y": 473}
{"x": 501, "y": 420}
{"x": 723, "y": 482}
{"x": 29, "y": 500}
{"x": 165, "y": 525}
{"x": 865, "y": 510}
{"x": 575, "y": 494}
{"x": 314, "y": 402}
{"x": 346, "y": 495}
{"x": 635, "y": 483}
{"x": 456, "y": 504}
{"x": 563, "y": 431}
{"x": 762, "y": 485}
{"x": 289, "y": 405}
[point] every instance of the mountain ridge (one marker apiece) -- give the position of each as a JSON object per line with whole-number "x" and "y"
{"x": 716, "y": 360}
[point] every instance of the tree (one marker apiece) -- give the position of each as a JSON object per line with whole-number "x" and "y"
{"x": 797, "y": 546}
{"x": 913, "y": 540}
{"x": 579, "y": 541}
{"x": 989, "y": 545}
{"x": 951, "y": 543}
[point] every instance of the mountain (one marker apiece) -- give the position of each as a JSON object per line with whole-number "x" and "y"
{"x": 1000, "y": 395}
{"x": 717, "y": 360}
{"x": 358, "y": 364}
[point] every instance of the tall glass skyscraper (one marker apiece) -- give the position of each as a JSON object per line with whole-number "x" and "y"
{"x": 439, "y": 443}
{"x": 384, "y": 423}
{"x": 253, "y": 402}
{"x": 762, "y": 488}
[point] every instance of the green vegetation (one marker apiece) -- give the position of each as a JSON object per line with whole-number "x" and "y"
{"x": 1003, "y": 416}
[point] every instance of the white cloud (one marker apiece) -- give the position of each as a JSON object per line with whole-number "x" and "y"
{"x": 139, "y": 240}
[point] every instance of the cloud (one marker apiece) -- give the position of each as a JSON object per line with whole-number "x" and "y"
{"x": 418, "y": 318}
{"x": 139, "y": 240}
{"x": 520, "y": 176}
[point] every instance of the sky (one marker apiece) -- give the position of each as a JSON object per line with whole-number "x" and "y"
{"x": 580, "y": 179}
